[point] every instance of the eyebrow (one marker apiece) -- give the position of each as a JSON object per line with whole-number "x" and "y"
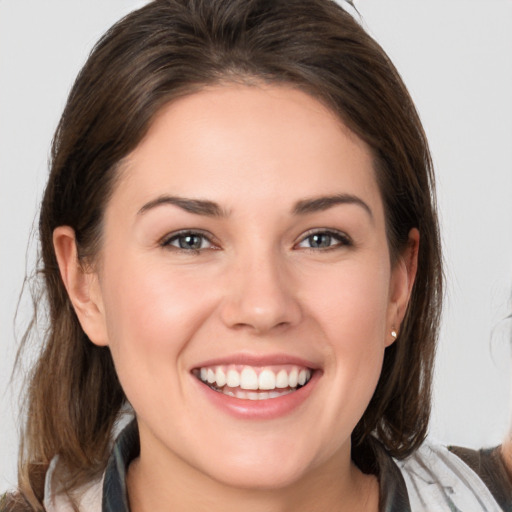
{"x": 196, "y": 206}
{"x": 319, "y": 204}
{"x": 212, "y": 209}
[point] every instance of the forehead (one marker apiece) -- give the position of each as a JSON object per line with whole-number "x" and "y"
{"x": 233, "y": 141}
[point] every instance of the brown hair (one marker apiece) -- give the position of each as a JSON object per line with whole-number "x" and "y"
{"x": 171, "y": 48}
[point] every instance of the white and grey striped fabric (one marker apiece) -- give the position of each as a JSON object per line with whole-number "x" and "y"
{"x": 438, "y": 481}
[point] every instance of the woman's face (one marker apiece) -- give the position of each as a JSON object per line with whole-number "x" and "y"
{"x": 245, "y": 254}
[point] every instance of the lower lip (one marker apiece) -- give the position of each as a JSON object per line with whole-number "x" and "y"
{"x": 268, "y": 409}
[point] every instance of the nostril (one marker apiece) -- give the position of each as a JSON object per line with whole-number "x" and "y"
{"x": 260, "y": 302}
{"x": 260, "y": 320}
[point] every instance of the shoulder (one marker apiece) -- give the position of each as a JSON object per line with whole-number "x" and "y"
{"x": 87, "y": 498}
{"x": 437, "y": 477}
{"x": 14, "y": 502}
{"x": 488, "y": 464}
{"x": 108, "y": 491}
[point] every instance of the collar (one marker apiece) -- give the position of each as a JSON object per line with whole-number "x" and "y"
{"x": 126, "y": 448}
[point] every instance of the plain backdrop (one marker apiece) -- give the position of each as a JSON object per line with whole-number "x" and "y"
{"x": 456, "y": 58}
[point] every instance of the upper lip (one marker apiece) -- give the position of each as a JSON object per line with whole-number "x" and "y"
{"x": 258, "y": 360}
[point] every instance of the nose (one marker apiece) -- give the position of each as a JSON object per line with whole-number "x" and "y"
{"x": 260, "y": 296}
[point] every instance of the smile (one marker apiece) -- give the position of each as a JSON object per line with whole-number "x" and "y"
{"x": 254, "y": 383}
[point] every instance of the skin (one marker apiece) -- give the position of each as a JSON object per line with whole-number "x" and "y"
{"x": 506, "y": 453}
{"x": 257, "y": 287}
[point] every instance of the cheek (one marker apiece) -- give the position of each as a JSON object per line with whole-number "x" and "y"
{"x": 351, "y": 304}
{"x": 151, "y": 312}
{"x": 351, "y": 310}
{"x": 151, "y": 315}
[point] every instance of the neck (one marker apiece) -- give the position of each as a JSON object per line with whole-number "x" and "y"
{"x": 335, "y": 486}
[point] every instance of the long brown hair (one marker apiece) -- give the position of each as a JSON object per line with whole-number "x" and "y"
{"x": 171, "y": 48}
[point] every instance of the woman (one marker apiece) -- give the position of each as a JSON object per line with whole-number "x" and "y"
{"x": 239, "y": 240}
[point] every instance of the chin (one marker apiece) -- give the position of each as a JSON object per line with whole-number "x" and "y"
{"x": 261, "y": 467}
{"x": 262, "y": 476}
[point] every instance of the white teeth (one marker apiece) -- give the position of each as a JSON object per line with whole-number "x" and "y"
{"x": 220, "y": 377}
{"x": 254, "y": 395}
{"x": 249, "y": 379}
{"x": 267, "y": 380}
{"x": 293, "y": 378}
{"x": 233, "y": 379}
{"x": 282, "y": 379}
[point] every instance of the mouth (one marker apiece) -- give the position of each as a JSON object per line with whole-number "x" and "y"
{"x": 254, "y": 382}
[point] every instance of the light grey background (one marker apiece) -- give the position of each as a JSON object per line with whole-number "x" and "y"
{"x": 456, "y": 58}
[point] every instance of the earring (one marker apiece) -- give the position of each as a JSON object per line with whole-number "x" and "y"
{"x": 394, "y": 334}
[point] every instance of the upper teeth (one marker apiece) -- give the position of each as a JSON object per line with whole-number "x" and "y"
{"x": 252, "y": 378}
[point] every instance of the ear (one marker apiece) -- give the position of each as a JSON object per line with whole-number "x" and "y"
{"x": 403, "y": 275}
{"x": 82, "y": 286}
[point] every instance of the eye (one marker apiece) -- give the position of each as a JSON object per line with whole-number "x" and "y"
{"x": 324, "y": 240}
{"x": 188, "y": 241}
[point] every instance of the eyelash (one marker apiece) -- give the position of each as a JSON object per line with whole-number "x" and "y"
{"x": 341, "y": 239}
{"x": 176, "y": 237}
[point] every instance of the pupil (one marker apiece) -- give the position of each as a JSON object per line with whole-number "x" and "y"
{"x": 320, "y": 240}
{"x": 190, "y": 242}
